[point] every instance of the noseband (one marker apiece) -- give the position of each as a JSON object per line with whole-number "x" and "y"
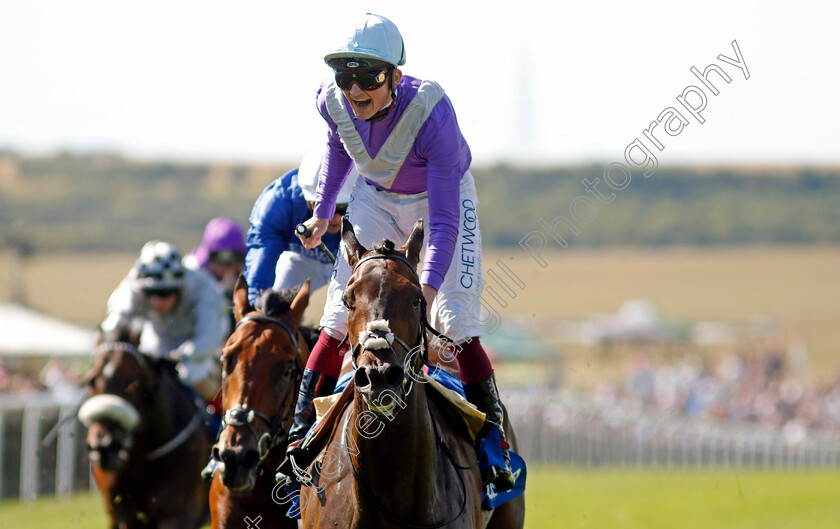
{"x": 242, "y": 415}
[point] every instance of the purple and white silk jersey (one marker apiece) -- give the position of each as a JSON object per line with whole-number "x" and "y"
{"x": 435, "y": 163}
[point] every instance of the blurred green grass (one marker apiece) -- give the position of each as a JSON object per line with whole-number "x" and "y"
{"x": 81, "y": 511}
{"x": 667, "y": 499}
{"x": 597, "y": 499}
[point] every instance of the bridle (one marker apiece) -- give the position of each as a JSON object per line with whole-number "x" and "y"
{"x": 243, "y": 415}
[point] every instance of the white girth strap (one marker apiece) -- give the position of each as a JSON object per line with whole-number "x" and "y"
{"x": 383, "y": 169}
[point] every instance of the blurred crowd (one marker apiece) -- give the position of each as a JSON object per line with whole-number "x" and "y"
{"x": 56, "y": 376}
{"x": 755, "y": 387}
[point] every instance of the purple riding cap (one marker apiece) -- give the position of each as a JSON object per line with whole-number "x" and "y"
{"x": 221, "y": 234}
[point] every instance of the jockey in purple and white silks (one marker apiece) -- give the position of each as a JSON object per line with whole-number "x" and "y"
{"x": 402, "y": 135}
{"x": 183, "y": 313}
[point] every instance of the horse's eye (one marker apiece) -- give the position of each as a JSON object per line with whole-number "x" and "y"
{"x": 417, "y": 300}
{"x": 345, "y": 302}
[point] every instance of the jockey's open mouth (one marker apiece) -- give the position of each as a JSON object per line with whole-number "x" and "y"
{"x": 361, "y": 104}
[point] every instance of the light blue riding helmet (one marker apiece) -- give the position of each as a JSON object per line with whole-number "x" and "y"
{"x": 374, "y": 37}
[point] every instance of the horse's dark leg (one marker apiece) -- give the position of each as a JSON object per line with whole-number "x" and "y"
{"x": 104, "y": 482}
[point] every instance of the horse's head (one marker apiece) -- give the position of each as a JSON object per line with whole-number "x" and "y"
{"x": 120, "y": 386}
{"x": 385, "y": 314}
{"x": 262, "y": 364}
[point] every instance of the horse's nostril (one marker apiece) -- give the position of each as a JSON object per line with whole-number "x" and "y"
{"x": 394, "y": 375}
{"x": 228, "y": 457}
{"x": 252, "y": 457}
{"x": 361, "y": 378}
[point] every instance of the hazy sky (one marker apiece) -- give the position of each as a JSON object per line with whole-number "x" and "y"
{"x": 530, "y": 80}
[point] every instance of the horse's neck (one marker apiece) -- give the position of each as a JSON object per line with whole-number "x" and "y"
{"x": 169, "y": 412}
{"x": 400, "y": 459}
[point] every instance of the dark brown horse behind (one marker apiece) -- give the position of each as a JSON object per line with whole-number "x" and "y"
{"x": 146, "y": 440}
{"x": 396, "y": 458}
{"x": 262, "y": 363}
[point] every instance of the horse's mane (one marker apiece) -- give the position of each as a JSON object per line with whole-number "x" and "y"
{"x": 385, "y": 247}
{"x": 275, "y": 303}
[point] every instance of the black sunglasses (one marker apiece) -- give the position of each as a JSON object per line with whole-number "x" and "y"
{"x": 367, "y": 79}
{"x": 160, "y": 292}
{"x": 225, "y": 257}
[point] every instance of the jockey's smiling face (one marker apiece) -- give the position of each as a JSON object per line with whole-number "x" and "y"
{"x": 366, "y": 103}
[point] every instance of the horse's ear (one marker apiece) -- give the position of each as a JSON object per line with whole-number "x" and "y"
{"x": 240, "y": 299}
{"x": 120, "y": 328}
{"x": 300, "y": 302}
{"x": 355, "y": 251}
{"x": 414, "y": 244}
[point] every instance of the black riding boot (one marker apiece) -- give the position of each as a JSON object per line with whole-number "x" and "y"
{"x": 485, "y": 396}
{"x": 312, "y": 386}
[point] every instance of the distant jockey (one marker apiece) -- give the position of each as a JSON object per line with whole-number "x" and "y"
{"x": 275, "y": 257}
{"x": 221, "y": 253}
{"x": 183, "y": 314}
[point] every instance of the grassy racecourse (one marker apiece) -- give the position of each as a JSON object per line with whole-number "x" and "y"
{"x": 661, "y": 499}
{"x": 798, "y": 286}
{"x": 596, "y": 499}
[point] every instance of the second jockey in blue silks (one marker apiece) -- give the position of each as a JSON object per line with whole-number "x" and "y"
{"x": 276, "y": 258}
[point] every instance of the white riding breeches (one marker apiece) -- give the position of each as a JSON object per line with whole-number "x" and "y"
{"x": 378, "y": 215}
{"x": 293, "y": 269}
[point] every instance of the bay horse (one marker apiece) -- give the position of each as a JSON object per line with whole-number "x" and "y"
{"x": 396, "y": 457}
{"x": 146, "y": 439}
{"x": 262, "y": 363}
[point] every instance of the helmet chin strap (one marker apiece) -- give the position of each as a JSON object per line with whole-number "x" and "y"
{"x": 390, "y": 104}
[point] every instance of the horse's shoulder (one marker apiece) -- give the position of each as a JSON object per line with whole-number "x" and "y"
{"x": 452, "y": 426}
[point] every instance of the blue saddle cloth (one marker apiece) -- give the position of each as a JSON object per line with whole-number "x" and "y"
{"x": 489, "y": 452}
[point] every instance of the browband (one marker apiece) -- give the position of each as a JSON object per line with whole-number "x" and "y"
{"x": 394, "y": 256}
{"x": 268, "y": 319}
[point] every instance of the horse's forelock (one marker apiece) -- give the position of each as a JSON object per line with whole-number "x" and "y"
{"x": 385, "y": 247}
{"x": 275, "y": 302}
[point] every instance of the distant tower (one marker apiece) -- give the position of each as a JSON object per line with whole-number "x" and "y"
{"x": 524, "y": 122}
